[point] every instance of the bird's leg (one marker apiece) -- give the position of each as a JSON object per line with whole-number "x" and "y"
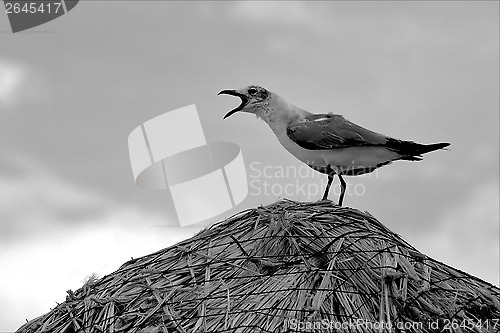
{"x": 342, "y": 189}
{"x": 330, "y": 174}
{"x": 327, "y": 190}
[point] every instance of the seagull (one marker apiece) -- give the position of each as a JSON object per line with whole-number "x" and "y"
{"x": 328, "y": 143}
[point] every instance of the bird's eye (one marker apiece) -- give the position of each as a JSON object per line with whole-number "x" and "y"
{"x": 252, "y": 91}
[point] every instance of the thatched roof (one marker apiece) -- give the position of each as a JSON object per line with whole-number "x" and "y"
{"x": 286, "y": 267}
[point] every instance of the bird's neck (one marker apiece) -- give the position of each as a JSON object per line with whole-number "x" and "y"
{"x": 279, "y": 114}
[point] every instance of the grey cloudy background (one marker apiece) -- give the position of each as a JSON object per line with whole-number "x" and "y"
{"x": 73, "y": 89}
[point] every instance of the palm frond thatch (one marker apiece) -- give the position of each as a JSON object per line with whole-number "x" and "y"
{"x": 286, "y": 267}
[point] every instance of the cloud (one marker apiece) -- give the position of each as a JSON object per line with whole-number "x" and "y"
{"x": 290, "y": 13}
{"x": 55, "y": 233}
{"x": 21, "y": 85}
{"x": 37, "y": 201}
{"x": 281, "y": 26}
{"x": 467, "y": 237}
{"x": 40, "y": 271}
{"x": 12, "y": 77}
{"x": 260, "y": 11}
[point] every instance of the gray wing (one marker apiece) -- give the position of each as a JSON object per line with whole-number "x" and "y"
{"x": 332, "y": 131}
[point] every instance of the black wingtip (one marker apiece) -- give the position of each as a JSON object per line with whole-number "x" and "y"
{"x": 436, "y": 146}
{"x": 412, "y": 149}
{"x": 424, "y": 149}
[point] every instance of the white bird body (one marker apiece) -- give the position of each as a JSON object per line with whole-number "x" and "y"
{"x": 328, "y": 143}
{"x": 281, "y": 115}
{"x": 339, "y": 160}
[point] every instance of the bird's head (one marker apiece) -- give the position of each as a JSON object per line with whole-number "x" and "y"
{"x": 253, "y": 99}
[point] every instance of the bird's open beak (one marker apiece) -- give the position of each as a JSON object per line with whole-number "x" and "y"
{"x": 244, "y": 101}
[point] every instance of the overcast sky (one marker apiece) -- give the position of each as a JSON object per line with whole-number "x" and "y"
{"x": 73, "y": 89}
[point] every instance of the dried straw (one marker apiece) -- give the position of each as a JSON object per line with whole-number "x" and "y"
{"x": 286, "y": 267}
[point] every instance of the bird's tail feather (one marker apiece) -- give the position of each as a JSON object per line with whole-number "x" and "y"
{"x": 433, "y": 146}
{"x": 412, "y": 150}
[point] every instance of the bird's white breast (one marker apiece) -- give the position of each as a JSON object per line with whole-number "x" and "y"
{"x": 282, "y": 114}
{"x": 339, "y": 159}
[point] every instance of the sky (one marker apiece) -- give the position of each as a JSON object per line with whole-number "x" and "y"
{"x": 73, "y": 89}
